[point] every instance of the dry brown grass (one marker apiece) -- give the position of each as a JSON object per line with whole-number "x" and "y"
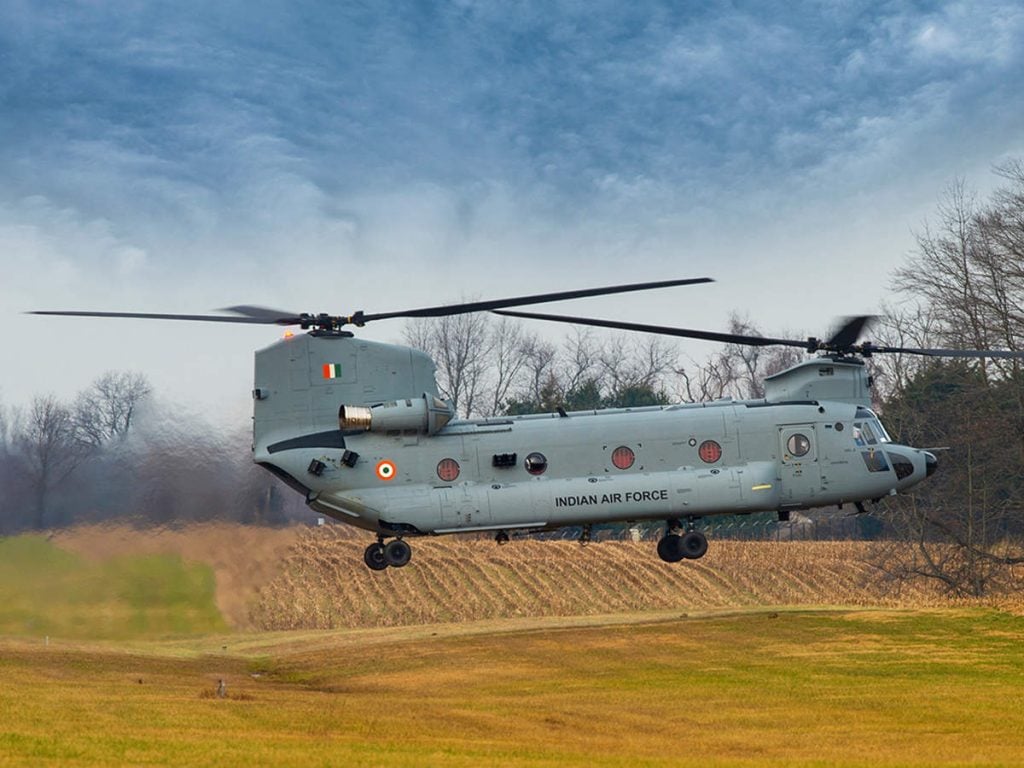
{"x": 323, "y": 583}
{"x": 314, "y": 578}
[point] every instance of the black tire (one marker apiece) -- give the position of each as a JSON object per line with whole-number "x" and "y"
{"x": 374, "y": 558}
{"x": 397, "y": 553}
{"x": 670, "y": 548}
{"x": 694, "y": 545}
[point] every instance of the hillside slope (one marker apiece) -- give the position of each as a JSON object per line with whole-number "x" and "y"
{"x": 324, "y": 584}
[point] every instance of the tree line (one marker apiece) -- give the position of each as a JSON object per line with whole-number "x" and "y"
{"x": 114, "y": 451}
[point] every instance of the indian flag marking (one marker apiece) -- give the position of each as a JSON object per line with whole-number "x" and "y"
{"x": 386, "y": 469}
{"x": 332, "y": 370}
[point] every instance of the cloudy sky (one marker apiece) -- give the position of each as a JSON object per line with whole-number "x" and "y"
{"x": 335, "y": 156}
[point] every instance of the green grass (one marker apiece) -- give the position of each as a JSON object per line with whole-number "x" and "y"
{"x": 830, "y": 687}
{"x": 46, "y": 591}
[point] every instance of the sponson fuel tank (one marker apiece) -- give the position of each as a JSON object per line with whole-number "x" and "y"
{"x": 554, "y": 502}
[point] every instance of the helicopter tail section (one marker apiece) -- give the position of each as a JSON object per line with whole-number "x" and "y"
{"x": 301, "y": 382}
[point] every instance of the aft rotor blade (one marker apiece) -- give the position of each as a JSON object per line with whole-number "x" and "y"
{"x": 161, "y": 316}
{"x": 266, "y": 315}
{"x": 686, "y": 333}
{"x": 518, "y": 301}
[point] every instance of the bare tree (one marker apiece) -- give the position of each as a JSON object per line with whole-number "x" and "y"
{"x": 511, "y": 349}
{"x": 964, "y": 287}
{"x": 579, "y": 360}
{"x": 966, "y": 272}
{"x": 701, "y": 382}
{"x": 460, "y": 346}
{"x": 540, "y": 384}
{"x": 738, "y": 370}
{"x": 483, "y": 364}
{"x": 628, "y": 368}
{"x": 106, "y": 409}
{"x": 46, "y": 441}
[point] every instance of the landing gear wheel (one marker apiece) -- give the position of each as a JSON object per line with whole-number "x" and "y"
{"x": 397, "y": 553}
{"x": 694, "y": 545}
{"x": 670, "y": 548}
{"x": 374, "y": 557}
{"x": 501, "y": 538}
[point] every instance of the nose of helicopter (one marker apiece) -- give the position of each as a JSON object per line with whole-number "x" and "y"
{"x": 930, "y": 463}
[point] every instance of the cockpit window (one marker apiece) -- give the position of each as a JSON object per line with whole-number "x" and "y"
{"x": 863, "y": 434}
{"x": 868, "y": 418}
{"x": 875, "y": 461}
{"x": 883, "y": 436}
{"x": 867, "y": 434}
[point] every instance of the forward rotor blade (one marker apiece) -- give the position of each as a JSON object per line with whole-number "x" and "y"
{"x": 160, "y": 316}
{"x": 837, "y": 344}
{"x": 1005, "y": 354}
{"x": 517, "y": 301}
{"x": 686, "y": 333}
{"x": 850, "y": 331}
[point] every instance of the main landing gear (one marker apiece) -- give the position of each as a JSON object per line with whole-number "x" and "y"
{"x": 678, "y": 545}
{"x": 379, "y": 555}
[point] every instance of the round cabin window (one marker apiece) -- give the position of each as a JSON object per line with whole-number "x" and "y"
{"x": 798, "y": 445}
{"x": 536, "y": 463}
{"x": 623, "y": 457}
{"x": 709, "y": 451}
{"x": 448, "y": 470}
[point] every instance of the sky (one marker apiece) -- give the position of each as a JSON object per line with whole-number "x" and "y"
{"x": 337, "y": 156}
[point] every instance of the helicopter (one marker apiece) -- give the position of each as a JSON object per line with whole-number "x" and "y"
{"x": 360, "y": 429}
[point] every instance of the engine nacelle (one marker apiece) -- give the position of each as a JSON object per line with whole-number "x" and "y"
{"x": 426, "y": 414}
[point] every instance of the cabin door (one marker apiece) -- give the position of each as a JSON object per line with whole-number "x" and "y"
{"x": 800, "y": 468}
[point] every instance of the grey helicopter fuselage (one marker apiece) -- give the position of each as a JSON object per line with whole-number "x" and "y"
{"x": 359, "y": 429}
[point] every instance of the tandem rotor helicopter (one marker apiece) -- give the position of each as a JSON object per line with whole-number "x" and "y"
{"x": 358, "y": 427}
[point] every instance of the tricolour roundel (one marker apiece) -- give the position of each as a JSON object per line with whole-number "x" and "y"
{"x": 386, "y": 469}
{"x": 448, "y": 469}
{"x": 623, "y": 457}
{"x": 709, "y": 451}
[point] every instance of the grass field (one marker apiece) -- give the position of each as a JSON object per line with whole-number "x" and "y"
{"x": 842, "y": 687}
{"x": 46, "y": 590}
{"x": 112, "y": 643}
